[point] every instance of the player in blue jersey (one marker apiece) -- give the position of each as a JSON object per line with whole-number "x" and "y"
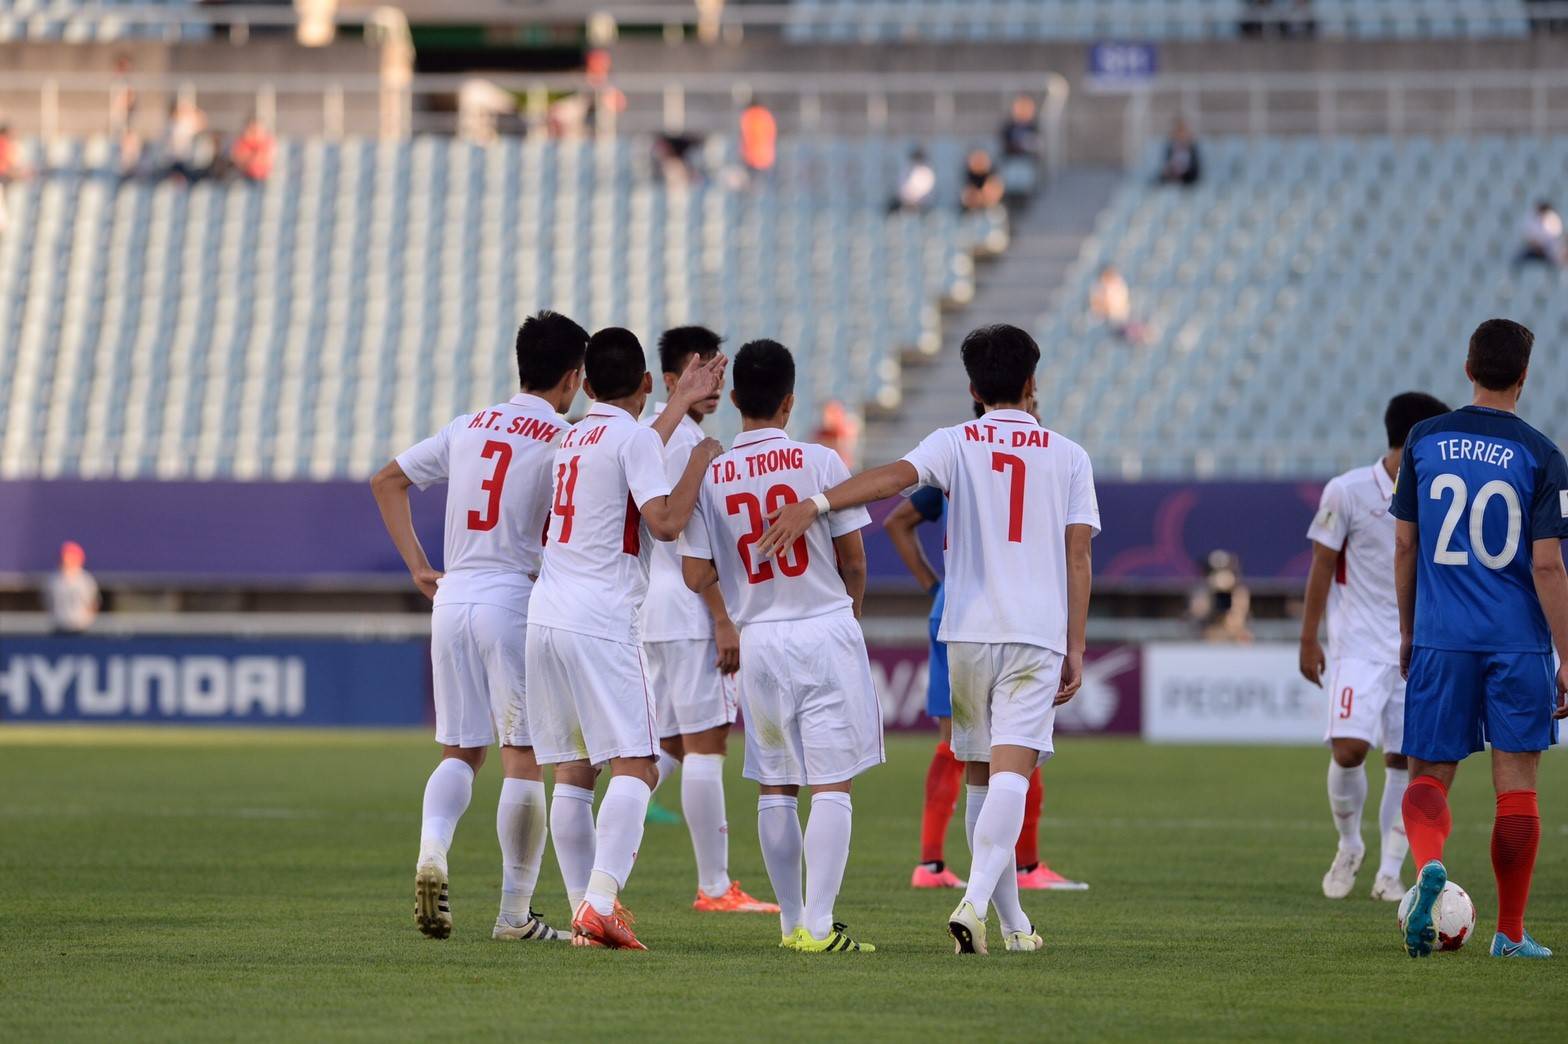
{"x": 1481, "y": 505}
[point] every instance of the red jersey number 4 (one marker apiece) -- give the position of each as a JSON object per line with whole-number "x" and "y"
{"x": 565, "y": 491}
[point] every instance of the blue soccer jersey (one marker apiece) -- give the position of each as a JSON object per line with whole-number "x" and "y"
{"x": 1481, "y": 486}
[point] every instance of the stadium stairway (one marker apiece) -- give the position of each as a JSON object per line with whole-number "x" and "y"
{"x": 1017, "y": 287}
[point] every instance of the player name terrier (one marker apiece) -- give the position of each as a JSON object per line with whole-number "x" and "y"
{"x": 1482, "y": 451}
{"x": 527, "y": 427}
{"x": 152, "y": 686}
{"x": 992, "y": 433}
{"x": 765, "y": 463}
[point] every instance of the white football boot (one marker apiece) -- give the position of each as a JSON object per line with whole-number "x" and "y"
{"x": 1341, "y": 876}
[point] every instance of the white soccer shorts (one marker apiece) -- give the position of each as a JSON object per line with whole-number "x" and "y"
{"x": 590, "y": 699}
{"x": 1003, "y": 694}
{"x": 811, "y": 710}
{"x": 1366, "y": 701}
{"x": 689, "y": 692}
{"x": 480, "y": 673}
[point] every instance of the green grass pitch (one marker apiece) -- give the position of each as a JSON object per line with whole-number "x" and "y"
{"x": 258, "y": 886}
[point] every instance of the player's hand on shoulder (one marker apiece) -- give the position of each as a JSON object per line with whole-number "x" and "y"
{"x": 1072, "y": 678}
{"x": 426, "y": 580}
{"x": 1313, "y": 661}
{"x": 708, "y": 450}
{"x": 1562, "y": 692}
{"x": 786, "y": 525}
{"x": 726, "y": 637}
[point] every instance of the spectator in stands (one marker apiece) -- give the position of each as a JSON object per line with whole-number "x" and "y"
{"x": 71, "y": 595}
{"x": 1543, "y": 238}
{"x": 1221, "y": 606}
{"x": 672, "y": 156}
{"x": 982, "y": 184}
{"x": 10, "y": 157}
{"x": 252, "y": 152}
{"x": 181, "y": 138}
{"x": 916, "y": 186}
{"x": 1021, "y": 129}
{"x": 1110, "y": 301}
{"x": 759, "y": 135}
{"x": 1182, "y": 165}
{"x": 839, "y": 432}
{"x": 122, "y": 97}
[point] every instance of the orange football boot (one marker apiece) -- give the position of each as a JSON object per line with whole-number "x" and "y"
{"x": 733, "y": 901}
{"x": 594, "y": 929}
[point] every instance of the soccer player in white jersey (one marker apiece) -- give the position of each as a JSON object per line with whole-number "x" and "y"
{"x": 496, "y": 464}
{"x": 590, "y": 702}
{"x": 693, "y": 652}
{"x": 1021, "y": 515}
{"x": 812, "y": 717}
{"x": 1352, "y": 576}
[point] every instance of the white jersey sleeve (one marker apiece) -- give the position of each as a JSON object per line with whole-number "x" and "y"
{"x": 1083, "y": 504}
{"x": 933, "y": 460}
{"x": 642, "y": 456}
{"x": 694, "y": 542}
{"x": 430, "y": 461}
{"x": 846, "y": 520}
{"x": 1331, "y": 525}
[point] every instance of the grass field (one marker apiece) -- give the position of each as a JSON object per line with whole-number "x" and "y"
{"x": 225, "y": 885}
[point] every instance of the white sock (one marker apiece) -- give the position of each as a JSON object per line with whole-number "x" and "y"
{"x": 1391, "y": 821}
{"x": 702, "y": 803}
{"x": 778, "y": 830}
{"x": 520, "y": 825}
{"x": 827, "y": 853}
{"x": 668, "y": 763}
{"x": 571, "y": 825}
{"x": 996, "y": 830}
{"x": 447, "y": 793}
{"x": 1347, "y": 793}
{"x": 1009, "y": 909}
{"x": 618, "y": 837}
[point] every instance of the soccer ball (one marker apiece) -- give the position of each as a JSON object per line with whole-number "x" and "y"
{"x": 1453, "y": 915}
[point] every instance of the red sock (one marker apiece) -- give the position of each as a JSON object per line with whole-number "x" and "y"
{"x": 1516, "y": 833}
{"x": 942, "y": 780}
{"x": 1427, "y": 820}
{"x": 1027, "y": 851}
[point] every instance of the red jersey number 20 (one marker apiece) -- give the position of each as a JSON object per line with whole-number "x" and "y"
{"x": 792, "y": 564}
{"x": 502, "y": 452}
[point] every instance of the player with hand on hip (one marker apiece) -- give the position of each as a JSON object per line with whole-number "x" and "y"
{"x": 1481, "y": 505}
{"x": 1021, "y": 515}
{"x": 1352, "y": 577}
{"x": 496, "y": 464}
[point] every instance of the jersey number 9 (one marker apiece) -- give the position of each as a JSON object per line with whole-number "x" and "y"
{"x": 1445, "y": 553}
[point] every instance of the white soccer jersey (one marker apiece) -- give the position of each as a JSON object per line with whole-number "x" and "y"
{"x": 1363, "y": 610}
{"x": 763, "y": 471}
{"x": 1013, "y": 489}
{"x": 595, "y": 570}
{"x": 496, "y": 464}
{"x": 671, "y": 612}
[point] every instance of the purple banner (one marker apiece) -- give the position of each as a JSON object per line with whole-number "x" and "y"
{"x": 1110, "y": 702}
{"x": 304, "y": 532}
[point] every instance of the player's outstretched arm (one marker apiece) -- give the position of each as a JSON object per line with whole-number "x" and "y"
{"x": 1407, "y": 543}
{"x": 390, "y": 487}
{"x": 667, "y": 516}
{"x": 1551, "y": 587}
{"x": 901, "y": 524}
{"x": 851, "y": 551}
{"x": 1319, "y": 579}
{"x": 790, "y": 522}
{"x": 1080, "y": 578}
{"x": 701, "y": 379}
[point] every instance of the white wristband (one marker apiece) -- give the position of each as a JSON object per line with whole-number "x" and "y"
{"x": 821, "y": 500}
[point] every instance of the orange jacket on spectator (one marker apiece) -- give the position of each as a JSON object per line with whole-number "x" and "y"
{"x": 758, "y": 137}
{"x": 253, "y": 153}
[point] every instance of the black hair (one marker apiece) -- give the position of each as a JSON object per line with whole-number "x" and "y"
{"x": 1499, "y": 353}
{"x": 615, "y": 363}
{"x": 549, "y": 346}
{"x": 680, "y": 343}
{"x": 764, "y": 375}
{"x": 979, "y": 409}
{"x": 1407, "y": 410}
{"x": 999, "y": 359}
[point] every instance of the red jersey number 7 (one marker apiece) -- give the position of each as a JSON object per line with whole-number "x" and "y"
{"x": 1004, "y": 462}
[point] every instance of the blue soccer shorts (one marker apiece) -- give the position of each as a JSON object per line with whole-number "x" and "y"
{"x": 939, "y": 696}
{"x": 1458, "y": 702}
